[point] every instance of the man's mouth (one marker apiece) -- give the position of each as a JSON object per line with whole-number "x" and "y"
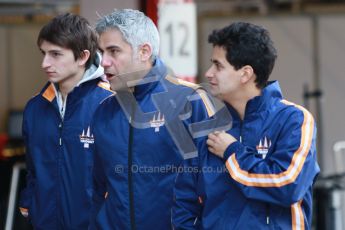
{"x": 49, "y": 73}
{"x": 109, "y": 76}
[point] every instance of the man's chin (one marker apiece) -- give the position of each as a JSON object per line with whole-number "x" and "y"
{"x": 53, "y": 80}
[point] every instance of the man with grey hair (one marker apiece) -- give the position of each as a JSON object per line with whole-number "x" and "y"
{"x": 141, "y": 132}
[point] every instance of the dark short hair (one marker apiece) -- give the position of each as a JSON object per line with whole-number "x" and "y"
{"x": 247, "y": 44}
{"x": 72, "y": 32}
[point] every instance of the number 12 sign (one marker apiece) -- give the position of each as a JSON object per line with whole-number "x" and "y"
{"x": 177, "y": 29}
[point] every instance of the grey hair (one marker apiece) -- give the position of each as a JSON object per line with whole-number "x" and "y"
{"x": 135, "y": 26}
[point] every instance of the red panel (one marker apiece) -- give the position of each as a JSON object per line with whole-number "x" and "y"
{"x": 151, "y": 9}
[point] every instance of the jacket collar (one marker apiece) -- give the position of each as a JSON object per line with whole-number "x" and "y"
{"x": 260, "y": 103}
{"x": 49, "y": 92}
{"x": 151, "y": 79}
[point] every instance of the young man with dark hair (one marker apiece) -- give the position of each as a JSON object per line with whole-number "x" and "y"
{"x": 268, "y": 157}
{"x": 56, "y": 126}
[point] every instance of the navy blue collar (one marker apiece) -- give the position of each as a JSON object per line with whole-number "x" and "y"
{"x": 260, "y": 103}
{"x": 151, "y": 79}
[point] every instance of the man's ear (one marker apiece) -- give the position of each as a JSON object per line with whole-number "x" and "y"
{"x": 145, "y": 52}
{"x": 85, "y": 55}
{"x": 247, "y": 74}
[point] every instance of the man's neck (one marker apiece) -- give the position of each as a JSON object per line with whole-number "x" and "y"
{"x": 240, "y": 101}
{"x": 66, "y": 86}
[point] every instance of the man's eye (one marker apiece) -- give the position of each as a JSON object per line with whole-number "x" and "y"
{"x": 114, "y": 51}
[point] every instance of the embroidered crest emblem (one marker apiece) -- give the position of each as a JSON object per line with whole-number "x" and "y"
{"x": 87, "y": 138}
{"x": 157, "y": 122}
{"x": 263, "y": 147}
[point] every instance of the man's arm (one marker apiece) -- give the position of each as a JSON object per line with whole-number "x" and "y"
{"x": 186, "y": 209}
{"x": 27, "y": 193}
{"x": 99, "y": 182}
{"x": 286, "y": 174}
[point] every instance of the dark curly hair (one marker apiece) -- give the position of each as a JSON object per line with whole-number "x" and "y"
{"x": 247, "y": 44}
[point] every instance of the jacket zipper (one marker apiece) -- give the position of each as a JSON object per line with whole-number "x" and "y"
{"x": 267, "y": 214}
{"x": 60, "y": 127}
{"x": 59, "y": 164}
{"x": 130, "y": 176}
{"x": 60, "y": 132}
{"x": 59, "y": 169}
{"x": 240, "y": 139}
{"x": 62, "y": 112}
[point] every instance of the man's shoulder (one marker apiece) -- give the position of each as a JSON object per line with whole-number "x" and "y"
{"x": 179, "y": 88}
{"x": 33, "y": 101}
{"x": 193, "y": 92}
{"x": 46, "y": 92}
{"x": 291, "y": 110}
{"x": 176, "y": 82}
{"x": 108, "y": 101}
{"x": 95, "y": 92}
{"x": 98, "y": 86}
{"x": 104, "y": 86}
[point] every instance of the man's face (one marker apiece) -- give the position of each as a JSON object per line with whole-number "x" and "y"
{"x": 59, "y": 63}
{"x": 118, "y": 58}
{"x": 223, "y": 78}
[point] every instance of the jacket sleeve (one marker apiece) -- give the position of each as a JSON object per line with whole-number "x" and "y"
{"x": 99, "y": 186}
{"x": 187, "y": 208}
{"x": 288, "y": 172}
{"x": 27, "y": 193}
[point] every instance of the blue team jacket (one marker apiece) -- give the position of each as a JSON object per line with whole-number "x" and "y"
{"x": 139, "y": 140}
{"x": 265, "y": 181}
{"x": 59, "y": 157}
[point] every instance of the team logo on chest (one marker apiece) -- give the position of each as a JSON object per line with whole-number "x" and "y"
{"x": 158, "y": 121}
{"x": 263, "y": 147}
{"x": 86, "y": 138}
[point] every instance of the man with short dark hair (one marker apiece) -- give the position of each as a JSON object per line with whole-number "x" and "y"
{"x": 56, "y": 126}
{"x": 268, "y": 157}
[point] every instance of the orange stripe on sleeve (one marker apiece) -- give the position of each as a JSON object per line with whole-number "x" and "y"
{"x": 178, "y": 81}
{"x": 205, "y": 99}
{"x": 283, "y": 178}
{"x": 202, "y": 93}
{"x": 297, "y": 216}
